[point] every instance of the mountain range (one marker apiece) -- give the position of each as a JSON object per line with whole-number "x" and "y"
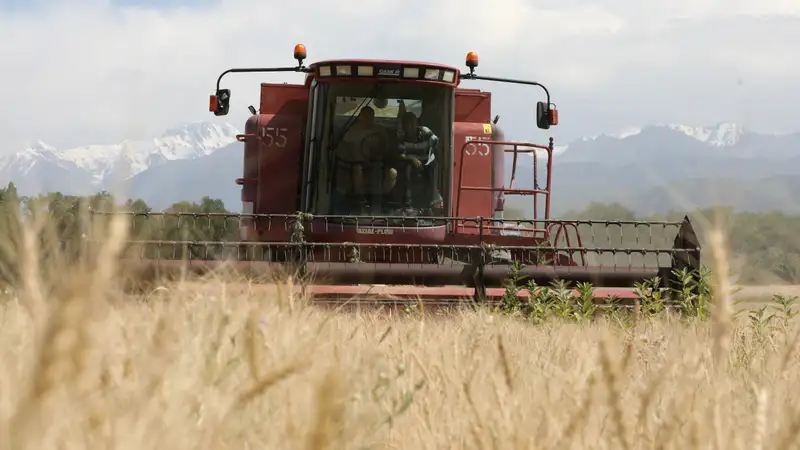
{"x": 650, "y": 169}
{"x": 676, "y": 167}
{"x": 39, "y": 167}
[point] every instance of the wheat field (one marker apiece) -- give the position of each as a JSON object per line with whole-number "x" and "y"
{"x": 85, "y": 366}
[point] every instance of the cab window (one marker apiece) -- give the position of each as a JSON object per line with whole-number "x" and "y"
{"x": 382, "y": 149}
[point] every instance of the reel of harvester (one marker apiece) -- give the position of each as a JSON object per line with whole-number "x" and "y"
{"x": 441, "y": 268}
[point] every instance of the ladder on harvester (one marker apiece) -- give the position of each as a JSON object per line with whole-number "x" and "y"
{"x": 542, "y": 229}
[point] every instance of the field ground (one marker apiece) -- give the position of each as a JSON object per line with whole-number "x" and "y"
{"x": 757, "y": 296}
{"x": 212, "y": 367}
{"x": 767, "y": 291}
{"x": 230, "y": 366}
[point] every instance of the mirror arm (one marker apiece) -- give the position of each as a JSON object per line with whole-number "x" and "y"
{"x": 472, "y": 76}
{"x": 302, "y": 69}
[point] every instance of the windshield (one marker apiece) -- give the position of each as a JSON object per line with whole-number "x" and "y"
{"x": 383, "y": 149}
{"x": 384, "y": 107}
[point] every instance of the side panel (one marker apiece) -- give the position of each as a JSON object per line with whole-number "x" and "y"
{"x": 472, "y": 105}
{"x": 287, "y": 99}
{"x": 472, "y": 115}
{"x": 476, "y": 171}
{"x": 275, "y": 154}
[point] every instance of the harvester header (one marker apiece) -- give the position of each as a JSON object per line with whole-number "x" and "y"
{"x": 389, "y": 178}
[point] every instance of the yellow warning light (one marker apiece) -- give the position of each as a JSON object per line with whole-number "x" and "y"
{"x": 472, "y": 60}
{"x": 300, "y": 52}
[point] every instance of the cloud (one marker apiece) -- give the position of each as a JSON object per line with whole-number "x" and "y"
{"x": 98, "y": 71}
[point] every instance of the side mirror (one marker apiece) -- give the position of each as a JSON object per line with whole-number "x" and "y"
{"x": 546, "y": 116}
{"x": 220, "y": 102}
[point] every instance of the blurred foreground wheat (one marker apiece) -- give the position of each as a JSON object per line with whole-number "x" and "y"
{"x": 216, "y": 366}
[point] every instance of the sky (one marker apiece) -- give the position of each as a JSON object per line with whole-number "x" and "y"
{"x": 98, "y": 71}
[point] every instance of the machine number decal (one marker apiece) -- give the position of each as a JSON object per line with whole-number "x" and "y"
{"x": 274, "y": 136}
{"x": 475, "y": 147}
{"x": 384, "y": 231}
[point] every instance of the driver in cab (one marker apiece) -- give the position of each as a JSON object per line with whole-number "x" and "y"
{"x": 364, "y": 141}
{"x": 418, "y": 146}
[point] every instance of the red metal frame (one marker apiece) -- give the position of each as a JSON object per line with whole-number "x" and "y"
{"x": 433, "y": 293}
{"x": 515, "y": 149}
{"x": 354, "y": 272}
{"x": 563, "y": 226}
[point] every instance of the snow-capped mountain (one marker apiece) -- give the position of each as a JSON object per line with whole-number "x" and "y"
{"x": 675, "y": 140}
{"x": 94, "y": 167}
{"x": 23, "y": 161}
{"x": 129, "y": 158}
{"x": 722, "y": 135}
{"x": 725, "y": 134}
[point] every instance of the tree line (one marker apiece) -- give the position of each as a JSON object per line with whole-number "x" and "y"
{"x": 64, "y": 227}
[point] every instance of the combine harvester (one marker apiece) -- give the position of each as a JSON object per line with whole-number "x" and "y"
{"x": 340, "y": 181}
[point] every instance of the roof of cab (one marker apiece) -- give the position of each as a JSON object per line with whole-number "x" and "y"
{"x": 384, "y": 61}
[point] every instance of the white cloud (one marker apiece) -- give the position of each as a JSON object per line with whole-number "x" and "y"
{"x": 92, "y": 72}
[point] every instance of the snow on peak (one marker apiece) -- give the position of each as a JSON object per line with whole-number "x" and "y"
{"x": 127, "y": 158}
{"x": 622, "y": 134}
{"x": 721, "y": 135}
{"x": 626, "y": 132}
{"x": 38, "y": 148}
{"x": 24, "y": 160}
{"x": 194, "y": 139}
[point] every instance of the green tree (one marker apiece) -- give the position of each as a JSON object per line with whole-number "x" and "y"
{"x": 601, "y": 211}
{"x": 192, "y": 231}
{"x": 10, "y": 231}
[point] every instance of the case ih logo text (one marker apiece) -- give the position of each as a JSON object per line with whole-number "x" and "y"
{"x": 388, "y": 72}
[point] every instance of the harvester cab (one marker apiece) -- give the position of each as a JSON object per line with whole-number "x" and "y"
{"x": 388, "y": 178}
{"x": 363, "y": 137}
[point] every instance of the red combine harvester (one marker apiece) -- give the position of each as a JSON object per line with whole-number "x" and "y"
{"x": 386, "y": 180}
